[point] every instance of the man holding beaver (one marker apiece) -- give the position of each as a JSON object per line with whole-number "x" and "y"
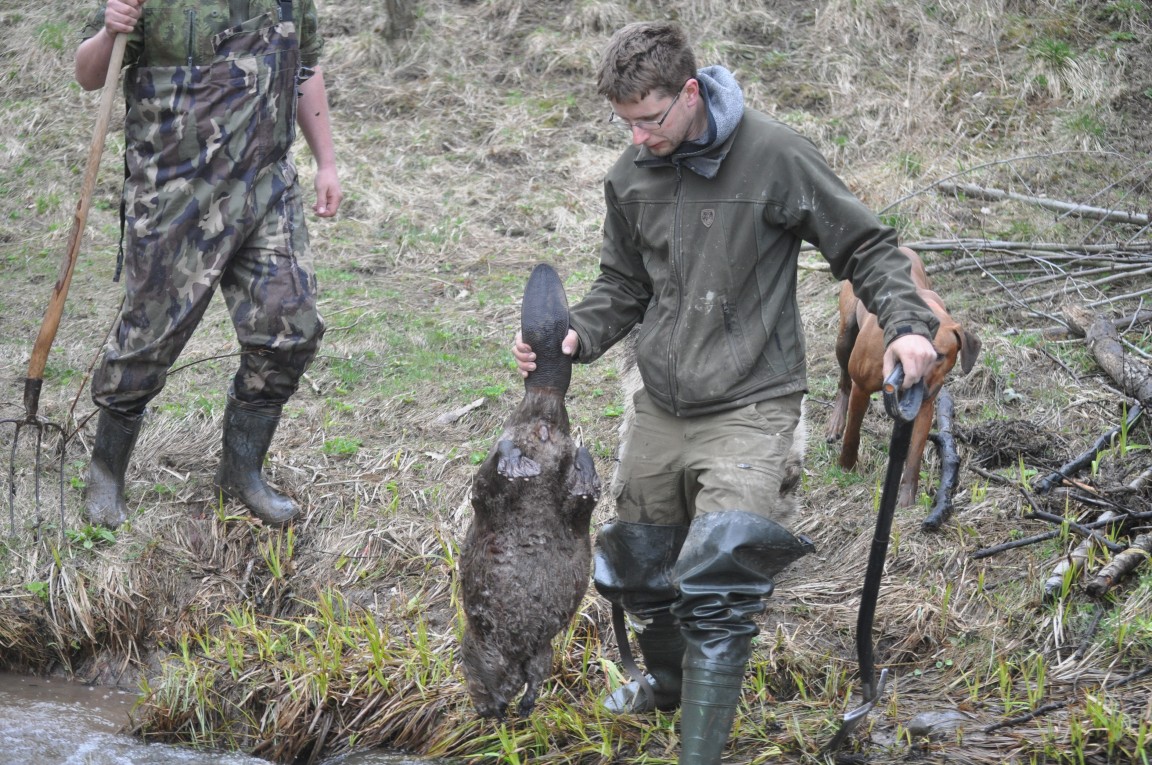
{"x": 706, "y": 212}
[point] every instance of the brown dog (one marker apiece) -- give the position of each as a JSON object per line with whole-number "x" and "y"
{"x": 860, "y": 352}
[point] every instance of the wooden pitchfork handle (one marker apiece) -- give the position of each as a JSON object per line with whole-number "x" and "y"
{"x": 51, "y": 321}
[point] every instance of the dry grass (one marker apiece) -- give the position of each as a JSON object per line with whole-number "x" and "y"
{"x": 470, "y": 150}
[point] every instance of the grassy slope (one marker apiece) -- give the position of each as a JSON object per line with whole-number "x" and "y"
{"x": 470, "y": 150}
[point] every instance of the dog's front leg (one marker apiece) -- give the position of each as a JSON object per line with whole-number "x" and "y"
{"x": 910, "y": 478}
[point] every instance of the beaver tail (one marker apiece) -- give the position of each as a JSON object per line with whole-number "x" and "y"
{"x": 543, "y": 325}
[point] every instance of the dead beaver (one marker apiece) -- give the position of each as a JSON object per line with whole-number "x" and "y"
{"x": 524, "y": 565}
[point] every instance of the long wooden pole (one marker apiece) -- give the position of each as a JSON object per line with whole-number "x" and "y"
{"x": 51, "y": 321}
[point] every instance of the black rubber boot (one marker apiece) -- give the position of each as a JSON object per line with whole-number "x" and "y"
{"x": 662, "y": 647}
{"x": 724, "y": 573}
{"x": 104, "y": 492}
{"x": 248, "y": 431}
{"x": 632, "y": 565}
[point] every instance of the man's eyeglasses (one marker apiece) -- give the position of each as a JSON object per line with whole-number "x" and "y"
{"x": 648, "y": 126}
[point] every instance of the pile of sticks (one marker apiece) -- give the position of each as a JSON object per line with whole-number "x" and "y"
{"x": 1122, "y": 513}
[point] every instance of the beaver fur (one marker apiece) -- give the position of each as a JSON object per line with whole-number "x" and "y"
{"x": 524, "y": 564}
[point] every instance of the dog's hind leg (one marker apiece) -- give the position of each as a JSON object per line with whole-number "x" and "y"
{"x": 857, "y": 407}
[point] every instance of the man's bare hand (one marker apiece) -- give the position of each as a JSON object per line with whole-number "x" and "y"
{"x": 526, "y": 359}
{"x": 914, "y": 353}
{"x": 120, "y": 16}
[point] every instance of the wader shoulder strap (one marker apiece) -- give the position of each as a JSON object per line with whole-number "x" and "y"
{"x": 238, "y": 12}
{"x": 285, "y": 10}
{"x": 626, "y": 658}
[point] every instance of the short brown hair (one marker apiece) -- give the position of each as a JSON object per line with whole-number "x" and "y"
{"x": 643, "y": 57}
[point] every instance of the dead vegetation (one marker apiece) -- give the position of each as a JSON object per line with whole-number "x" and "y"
{"x": 472, "y": 147}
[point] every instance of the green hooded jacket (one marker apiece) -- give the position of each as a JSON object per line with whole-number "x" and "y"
{"x": 707, "y": 266}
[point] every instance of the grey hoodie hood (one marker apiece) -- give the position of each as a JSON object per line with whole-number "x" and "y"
{"x": 724, "y": 103}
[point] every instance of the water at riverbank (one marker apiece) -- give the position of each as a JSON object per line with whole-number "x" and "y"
{"x": 51, "y": 721}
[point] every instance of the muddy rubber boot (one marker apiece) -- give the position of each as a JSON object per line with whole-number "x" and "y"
{"x": 632, "y": 568}
{"x": 104, "y": 492}
{"x": 662, "y": 647}
{"x": 724, "y": 573}
{"x": 248, "y": 431}
{"x": 710, "y": 697}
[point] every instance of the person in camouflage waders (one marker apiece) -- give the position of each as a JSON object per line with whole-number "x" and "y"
{"x": 212, "y": 89}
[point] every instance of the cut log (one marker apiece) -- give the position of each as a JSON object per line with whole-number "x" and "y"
{"x": 1102, "y": 339}
{"x": 1123, "y": 563}
{"x": 1071, "y": 565}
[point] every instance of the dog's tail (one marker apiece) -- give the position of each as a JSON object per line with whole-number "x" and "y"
{"x": 794, "y": 472}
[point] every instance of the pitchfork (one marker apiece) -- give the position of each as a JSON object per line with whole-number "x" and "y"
{"x": 903, "y": 410}
{"x": 51, "y": 322}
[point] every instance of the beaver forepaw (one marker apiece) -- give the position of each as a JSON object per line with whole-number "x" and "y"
{"x": 512, "y": 463}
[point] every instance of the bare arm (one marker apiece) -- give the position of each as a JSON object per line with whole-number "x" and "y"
{"x": 120, "y": 17}
{"x": 312, "y": 116}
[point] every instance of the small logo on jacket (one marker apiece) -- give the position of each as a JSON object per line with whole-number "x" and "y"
{"x": 708, "y": 217}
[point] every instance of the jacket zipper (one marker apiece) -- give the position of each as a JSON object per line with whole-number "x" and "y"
{"x": 191, "y": 34}
{"x": 674, "y": 267}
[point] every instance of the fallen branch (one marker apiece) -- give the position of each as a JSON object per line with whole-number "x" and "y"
{"x": 1069, "y": 469}
{"x": 1067, "y": 251}
{"x": 1065, "y": 208}
{"x": 1118, "y": 298}
{"x": 993, "y": 477}
{"x": 1063, "y": 273}
{"x": 945, "y": 444}
{"x": 1096, "y": 283}
{"x": 1079, "y": 528}
{"x": 988, "y": 552}
{"x": 1057, "y": 705}
{"x": 1124, "y": 563}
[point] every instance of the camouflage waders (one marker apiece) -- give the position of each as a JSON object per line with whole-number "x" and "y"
{"x": 211, "y": 199}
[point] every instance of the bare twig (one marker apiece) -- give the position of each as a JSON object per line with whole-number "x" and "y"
{"x": 1067, "y": 208}
{"x": 1079, "y": 528}
{"x": 1071, "y": 468}
{"x": 1057, "y": 705}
